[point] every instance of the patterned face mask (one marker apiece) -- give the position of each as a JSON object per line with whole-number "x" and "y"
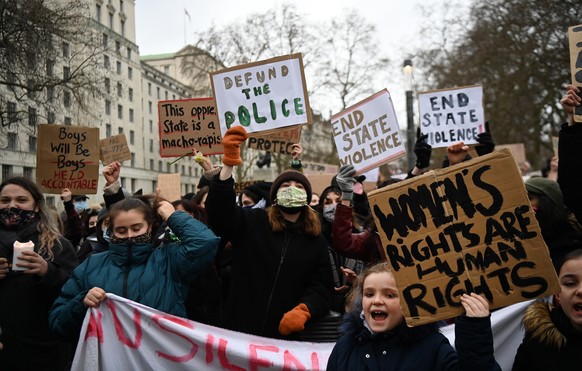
{"x": 13, "y": 217}
{"x": 142, "y": 238}
{"x": 329, "y": 213}
{"x": 291, "y": 197}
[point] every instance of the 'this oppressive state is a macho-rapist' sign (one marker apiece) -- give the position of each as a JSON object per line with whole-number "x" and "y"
{"x": 452, "y": 115}
{"x": 262, "y": 96}
{"x": 465, "y": 228}
{"x": 367, "y": 134}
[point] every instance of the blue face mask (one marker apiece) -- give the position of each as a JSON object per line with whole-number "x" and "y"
{"x": 81, "y": 206}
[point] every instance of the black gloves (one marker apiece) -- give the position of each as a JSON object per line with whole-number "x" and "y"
{"x": 422, "y": 150}
{"x": 486, "y": 144}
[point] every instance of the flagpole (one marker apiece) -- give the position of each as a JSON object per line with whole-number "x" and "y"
{"x": 185, "y": 41}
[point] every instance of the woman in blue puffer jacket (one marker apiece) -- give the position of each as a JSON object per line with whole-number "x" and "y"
{"x": 133, "y": 268}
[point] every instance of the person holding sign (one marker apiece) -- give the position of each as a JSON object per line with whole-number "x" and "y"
{"x": 30, "y": 278}
{"x": 133, "y": 267}
{"x": 553, "y": 334}
{"x": 281, "y": 273}
{"x": 376, "y": 336}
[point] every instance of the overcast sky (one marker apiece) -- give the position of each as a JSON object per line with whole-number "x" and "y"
{"x": 162, "y": 27}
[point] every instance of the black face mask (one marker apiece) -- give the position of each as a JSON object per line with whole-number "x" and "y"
{"x": 142, "y": 238}
{"x": 15, "y": 218}
{"x": 91, "y": 230}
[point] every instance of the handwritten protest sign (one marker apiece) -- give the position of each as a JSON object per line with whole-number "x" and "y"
{"x": 280, "y": 141}
{"x": 169, "y": 186}
{"x": 452, "y": 115}
{"x": 67, "y": 157}
{"x": 114, "y": 149}
{"x": 263, "y": 95}
{"x": 186, "y": 124}
{"x": 465, "y": 228}
{"x": 367, "y": 134}
{"x": 575, "y": 39}
{"x": 518, "y": 152}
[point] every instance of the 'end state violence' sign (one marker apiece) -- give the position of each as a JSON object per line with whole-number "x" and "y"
{"x": 465, "y": 228}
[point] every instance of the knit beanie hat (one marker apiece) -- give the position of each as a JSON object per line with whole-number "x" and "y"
{"x": 544, "y": 186}
{"x": 287, "y": 176}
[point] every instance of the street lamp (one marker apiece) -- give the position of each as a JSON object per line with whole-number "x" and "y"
{"x": 410, "y": 135}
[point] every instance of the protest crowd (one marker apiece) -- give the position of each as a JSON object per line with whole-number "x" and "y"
{"x": 279, "y": 260}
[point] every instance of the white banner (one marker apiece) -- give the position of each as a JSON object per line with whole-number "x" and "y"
{"x": 124, "y": 335}
{"x": 452, "y": 115}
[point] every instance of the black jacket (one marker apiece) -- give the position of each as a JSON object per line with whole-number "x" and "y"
{"x": 271, "y": 272}
{"x": 414, "y": 348}
{"x": 25, "y": 301}
{"x": 570, "y": 153}
{"x": 550, "y": 342}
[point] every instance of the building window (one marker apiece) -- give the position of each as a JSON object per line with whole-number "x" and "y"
{"x": 189, "y": 170}
{"x": 130, "y": 94}
{"x": 108, "y": 130}
{"x": 151, "y": 164}
{"x": 105, "y": 40}
{"x": 118, "y": 67}
{"x": 158, "y": 92}
{"x": 169, "y": 167}
{"x": 120, "y": 130}
{"x": 12, "y": 141}
{"x": 166, "y": 94}
{"x": 121, "y": 6}
{"x": 131, "y": 115}
{"x": 98, "y": 13}
{"x": 150, "y": 107}
{"x": 107, "y": 107}
{"x": 27, "y": 172}
{"x": 128, "y": 53}
{"x": 6, "y": 171}
{"x": 122, "y": 181}
{"x": 66, "y": 50}
{"x": 117, "y": 47}
{"x": 66, "y": 73}
{"x": 167, "y": 70}
{"x": 154, "y": 185}
{"x": 12, "y": 114}
{"x": 107, "y": 85}
{"x": 122, "y": 28}
{"x": 183, "y": 170}
{"x": 151, "y": 145}
{"x": 50, "y": 67}
{"x": 111, "y": 20}
{"x": 151, "y": 126}
{"x": 129, "y": 73}
{"x": 131, "y": 137}
{"x": 133, "y": 184}
{"x": 50, "y": 93}
{"x": 50, "y": 118}
{"x": 68, "y": 121}
{"x": 119, "y": 111}
{"x": 106, "y": 62}
{"x": 160, "y": 165}
{"x": 119, "y": 89}
{"x": 174, "y": 96}
{"x": 31, "y": 144}
{"x": 175, "y": 168}
{"x": 32, "y": 119}
{"x": 149, "y": 89}
{"x": 67, "y": 99}
{"x": 132, "y": 159}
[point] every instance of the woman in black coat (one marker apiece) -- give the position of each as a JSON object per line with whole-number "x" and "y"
{"x": 27, "y": 295}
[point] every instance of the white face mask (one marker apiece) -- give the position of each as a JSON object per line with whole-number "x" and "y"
{"x": 329, "y": 212}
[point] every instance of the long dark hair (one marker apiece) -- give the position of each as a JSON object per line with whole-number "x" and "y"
{"x": 48, "y": 227}
{"x": 146, "y": 205}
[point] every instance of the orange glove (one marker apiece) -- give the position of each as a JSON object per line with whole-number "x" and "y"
{"x": 294, "y": 320}
{"x": 231, "y": 142}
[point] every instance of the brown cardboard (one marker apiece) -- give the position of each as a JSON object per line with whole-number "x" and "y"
{"x": 518, "y": 151}
{"x": 169, "y": 186}
{"x": 480, "y": 199}
{"x": 555, "y": 142}
{"x": 114, "y": 149}
{"x": 318, "y": 168}
{"x": 575, "y": 40}
{"x": 186, "y": 124}
{"x": 67, "y": 157}
{"x": 240, "y": 186}
{"x": 278, "y": 141}
{"x": 319, "y": 181}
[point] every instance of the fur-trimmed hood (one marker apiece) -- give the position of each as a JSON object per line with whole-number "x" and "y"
{"x": 546, "y": 324}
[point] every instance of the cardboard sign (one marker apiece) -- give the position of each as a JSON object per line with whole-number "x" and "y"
{"x": 452, "y": 115}
{"x": 280, "y": 141}
{"x": 464, "y": 228}
{"x": 186, "y": 124}
{"x": 517, "y": 150}
{"x": 319, "y": 182}
{"x": 241, "y": 186}
{"x": 169, "y": 186}
{"x": 67, "y": 157}
{"x": 555, "y": 143}
{"x": 575, "y": 40}
{"x": 263, "y": 95}
{"x": 367, "y": 134}
{"x": 114, "y": 149}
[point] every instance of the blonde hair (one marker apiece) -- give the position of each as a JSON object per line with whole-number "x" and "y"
{"x": 309, "y": 220}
